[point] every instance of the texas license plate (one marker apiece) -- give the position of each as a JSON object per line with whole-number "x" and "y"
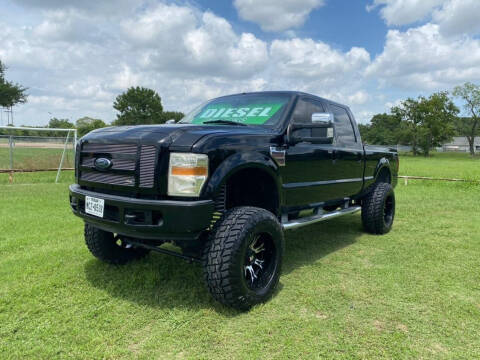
{"x": 94, "y": 206}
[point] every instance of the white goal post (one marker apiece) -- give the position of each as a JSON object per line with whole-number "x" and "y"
{"x": 10, "y": 135}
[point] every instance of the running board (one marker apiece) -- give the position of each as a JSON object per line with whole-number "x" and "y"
{"x": 297, "y": 223}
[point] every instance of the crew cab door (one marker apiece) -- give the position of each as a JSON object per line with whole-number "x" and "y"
{"x": 347, "y": 155}
{"x": 308, "y": 175}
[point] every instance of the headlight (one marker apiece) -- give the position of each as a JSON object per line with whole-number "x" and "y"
{"x": 187, "y": 173}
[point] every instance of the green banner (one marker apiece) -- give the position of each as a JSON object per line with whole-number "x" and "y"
{"x": 250, "y": 114}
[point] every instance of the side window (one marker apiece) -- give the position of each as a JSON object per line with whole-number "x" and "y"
{"x": 303, "y": 115}
{"x": 343, "y": 125}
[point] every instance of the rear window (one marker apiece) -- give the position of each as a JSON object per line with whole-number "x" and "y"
{"x": 343, "y": 125}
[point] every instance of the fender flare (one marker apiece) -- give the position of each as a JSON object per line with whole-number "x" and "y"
{"x": 240, "y": 161}
{"x": 383, "y": 163}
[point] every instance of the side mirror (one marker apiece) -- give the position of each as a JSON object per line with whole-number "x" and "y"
{"x": 322, "y": 118}
{"x": 171, "y": 121}
{"x": 321, "y": 130}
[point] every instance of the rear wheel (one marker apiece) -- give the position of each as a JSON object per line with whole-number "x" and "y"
{"x": 243, "y": 257}
{"x": 109, "y": 248}
{"x": 378, "y": 209}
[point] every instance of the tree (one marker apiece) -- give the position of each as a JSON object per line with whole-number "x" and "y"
{"x": 439, "y": 114}
{"x": 86, "y": 124}
{"x": 55, "y": 123}
{"x": 384, "y": 129}
{"x": 175, "y": 115}
{"x": 364, "y": 132}
{"x": 10, "y": 93}
{"x": 427, "y": 122}
{"x": 411, "y": 116}
{"x": 469, "y": 127}
{"x": 139, "y": 105}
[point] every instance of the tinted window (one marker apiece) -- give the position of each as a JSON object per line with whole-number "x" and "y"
{"x": 252, "y": 109}
{"x": 343, "y": 125}
{"x": 303, "y": 115}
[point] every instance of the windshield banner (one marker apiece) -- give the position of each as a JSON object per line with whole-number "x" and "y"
{"x": 251, "y": 114}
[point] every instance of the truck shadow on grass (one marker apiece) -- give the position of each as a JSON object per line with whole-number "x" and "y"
{"x": 163, "y": 281}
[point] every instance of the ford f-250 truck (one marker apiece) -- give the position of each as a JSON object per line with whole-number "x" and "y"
{"x": 224, "y": 184}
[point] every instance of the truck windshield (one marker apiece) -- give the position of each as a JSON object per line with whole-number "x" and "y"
{"x": 247, "y": 109}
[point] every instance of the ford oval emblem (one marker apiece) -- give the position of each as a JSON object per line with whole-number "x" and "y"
{"x": 103, "y": 164}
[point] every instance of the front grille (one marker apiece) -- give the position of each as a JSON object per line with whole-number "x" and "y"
{"x": 110, "y": 148}
{"x": 108, "y": 178}
{"x": 126, "y": 169}
{"x": 118, "y": 164}
{"x": 147, "y": 166}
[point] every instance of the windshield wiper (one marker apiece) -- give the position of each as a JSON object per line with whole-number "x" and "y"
{"x": 225, "y": 122}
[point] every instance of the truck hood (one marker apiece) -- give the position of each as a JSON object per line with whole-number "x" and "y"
{"x": 180, "y": 136}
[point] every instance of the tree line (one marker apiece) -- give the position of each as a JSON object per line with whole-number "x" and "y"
{"x": 136, "y": 106}
{"x": 422, "y": 123}
{"x": 427, "y": 122}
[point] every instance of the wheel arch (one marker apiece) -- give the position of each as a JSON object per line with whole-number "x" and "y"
{"x": 383, "y": 173}
{"x": 239, "y": 166}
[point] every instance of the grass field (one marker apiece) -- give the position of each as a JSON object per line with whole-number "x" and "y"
{"x": 413, "y": 293}
{"x": 35, "y": 158}
{"x": 446, "y": 165}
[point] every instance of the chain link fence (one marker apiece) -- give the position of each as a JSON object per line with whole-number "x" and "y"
{"x": 36, "y": 152}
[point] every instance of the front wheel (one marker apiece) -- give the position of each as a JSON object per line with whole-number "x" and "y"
{"x": 109, "y": 248}
{"x": 378, "y": 209}
{"x": 243, "y": 257}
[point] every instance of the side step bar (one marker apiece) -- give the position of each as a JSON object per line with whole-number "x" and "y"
{"x": 164, "y": 251}
{"x": 298, "y": 223}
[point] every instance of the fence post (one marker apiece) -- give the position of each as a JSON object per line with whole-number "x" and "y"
{"x": 74, "y": 143}
{"x": 10, "y": 143}
{"x": 63, "y": 157}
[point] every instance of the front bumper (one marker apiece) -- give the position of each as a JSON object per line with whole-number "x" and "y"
{"x": 146, "y": 219}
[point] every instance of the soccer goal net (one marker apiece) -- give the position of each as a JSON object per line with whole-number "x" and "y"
{"x": 25, "y": 149}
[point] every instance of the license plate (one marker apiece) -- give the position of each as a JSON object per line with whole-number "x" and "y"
{"x": 94, "y": 206}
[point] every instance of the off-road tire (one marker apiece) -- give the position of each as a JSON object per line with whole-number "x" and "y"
{"x": 378, "y": 209}
{"x": 103, "y": 245}
{"x": 226, "y": 251}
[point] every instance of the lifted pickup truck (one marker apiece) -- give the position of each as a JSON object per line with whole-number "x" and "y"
{"x": 226, "y": 181}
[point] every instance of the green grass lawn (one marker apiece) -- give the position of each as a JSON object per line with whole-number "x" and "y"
{"x": 441, "y": 165}
{"x": 413, "y": 293}
{"x": 35, "y": 158}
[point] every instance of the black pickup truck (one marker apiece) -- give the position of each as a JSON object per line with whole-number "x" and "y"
{"x": 224, "y": 183}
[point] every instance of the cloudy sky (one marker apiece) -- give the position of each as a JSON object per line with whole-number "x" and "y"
{"x": 77, "y": 56}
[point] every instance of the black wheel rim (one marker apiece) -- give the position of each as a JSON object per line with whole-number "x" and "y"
{"x": 260, "y": 261}
{"x": 389, "y": 209}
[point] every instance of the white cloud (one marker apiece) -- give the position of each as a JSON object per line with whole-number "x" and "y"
{"x": 358, "y": 98}
{"x": 423, "y": 59}
{"x": 454, "y": 16}
{"x": 403, "y": 12}
{"x": 125, "y": 78}
{"x": 364, "y": 116}
{"x": 306, "y": 58}
{"x": 390, "y": 104}
{"x": 176, "y": 39}
{"x": 77, "y": 57}
{"x": 276, "y": 15}
{"x": 458, "y": 17}
{"x": 93, "y": 7}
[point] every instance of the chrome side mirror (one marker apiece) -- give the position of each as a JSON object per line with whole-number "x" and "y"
{"x": 322, "y": 118}
{"x": 319, "y": 121}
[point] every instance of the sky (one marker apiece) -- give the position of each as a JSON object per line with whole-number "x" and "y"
{"x": 75, "y": 57}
